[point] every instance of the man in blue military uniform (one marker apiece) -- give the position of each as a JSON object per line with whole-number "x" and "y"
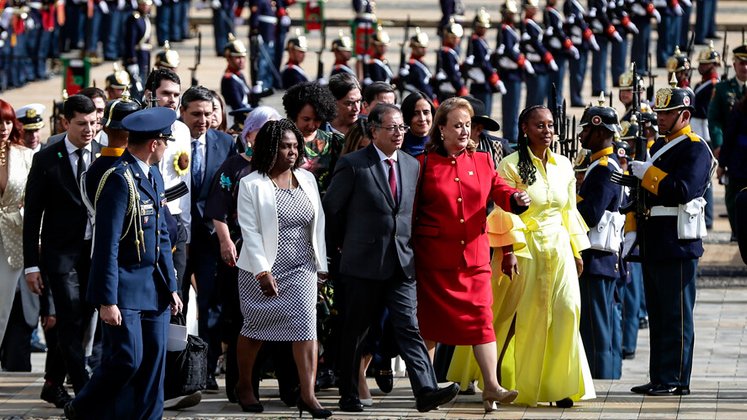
{"x": 116, "y": 83}
{"x": 483, "y": 76}
{"x": 679, "y": 66}
{"x": 559, "y": 44}
{"x": 606, "y": 33}
{"x": 415, "y": 74}
{"x": 674, "y": 178}
{"x": 167, "y": 58}
{"x": 262, "y": 28}
{"x": 542, "y": 60}
{"x": 449, "y": 75}
{"x": 598, "y": 202}
{"x": 725, "y": 95}
{"x": 293, "y": 74}
{"x": 668, "y": 29}
{"x": 233, "y": 86}
{"x": 137, "y": 46}
{"x": 620, "y": 17}
{"x": 132, "y": 279}
{"x": 583, "y": 39}
{"x": 342, "y": 48}
{"x": 625, "y": 94}
{"x": 377, "y": 67}
{"x": 641, "y": 13}
{"x": 511, "y": 64}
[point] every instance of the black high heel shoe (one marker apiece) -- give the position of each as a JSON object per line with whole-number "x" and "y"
{"x": 248, "y": 408}
{"x": 317, "y": 413}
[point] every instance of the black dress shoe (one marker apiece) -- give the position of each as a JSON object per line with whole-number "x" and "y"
{"x": 384, "y": 380}
{"x": 564, "y": 403}
{"x": 430, "y": 399}
{"x": 317, "y": 413}
{"x": 69, "y": 410}
{"x": 211, "y": 385}
{"x": 55, "y": 394}
{"x": 643, "y": 389}
{"x": 628, "y": 355}
{"x": 665, "y": 390}
{"x": 350, "y": 404}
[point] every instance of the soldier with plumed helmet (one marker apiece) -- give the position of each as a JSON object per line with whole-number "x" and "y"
{"x": 378, "y": 69}
{"x": 292, "y": 73}
{"x": 449, "y": 76}
{"x": 538, "y": 84}
{"x": 233, "y": 85}
{"x": 483, "y": 76}
{"x": 416, "y": 74}
{"x": 167, "y": 58}
{"x": 342, "y": 48}
{"x": 117, "y": 82}
{"x": 679, "y": 66}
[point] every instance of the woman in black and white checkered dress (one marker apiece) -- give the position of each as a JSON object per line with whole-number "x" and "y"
{"x": 283, "y": 257}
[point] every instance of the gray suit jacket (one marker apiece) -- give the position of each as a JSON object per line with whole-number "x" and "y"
{"x": 363, "y": 221}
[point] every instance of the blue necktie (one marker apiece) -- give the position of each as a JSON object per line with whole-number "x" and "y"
{"x": 196, "y": 165}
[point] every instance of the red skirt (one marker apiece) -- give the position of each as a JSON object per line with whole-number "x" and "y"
{"x": 455, "y": 306}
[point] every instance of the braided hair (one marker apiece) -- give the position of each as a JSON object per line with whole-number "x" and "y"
{"x": 267, "y": 144}
{"x": 527, "y": 170}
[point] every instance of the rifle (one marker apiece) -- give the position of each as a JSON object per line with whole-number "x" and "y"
{"x": 689, "y": 53}
{"x": 638, "y": 204}
{"x": 724, "y": 53}
{"x": 403, "y": 59}
{"x": 198, "y": 58}
{"x": 319, "y": 62}
{"x": 650, "y": 92}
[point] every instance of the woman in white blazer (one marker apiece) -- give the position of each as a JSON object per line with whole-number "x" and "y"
{"x": 282, "y": 260}
{"x": 15, "y": 163}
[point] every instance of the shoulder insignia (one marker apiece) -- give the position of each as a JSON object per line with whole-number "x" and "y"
{"x": 603, "y": 161}
{"x": 693, "y": 137}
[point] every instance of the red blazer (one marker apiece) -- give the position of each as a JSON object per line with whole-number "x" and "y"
{"x": 451, "y": 209}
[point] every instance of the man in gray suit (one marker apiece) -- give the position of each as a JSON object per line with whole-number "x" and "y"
{"x": 369, "y": 204}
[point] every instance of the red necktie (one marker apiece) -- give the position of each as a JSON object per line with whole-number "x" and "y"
{"x": 392, "y": 180}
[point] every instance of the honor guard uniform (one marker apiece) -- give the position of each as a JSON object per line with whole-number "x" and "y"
{"x": 136, "y": 56}
{"x": 32, "y": 118}
{"x": 233, "y": 86}
{"x": 542, "y": 60}
{"x": 262, "y": 28}
{"x": 167, "y": 58}
{"x": 132, "y": 279}
{"x": 284, "y": 22}
{"x": 726, "y": 94}
{"x": 416, "y": 75}
{"x": 559, "y": 44}
{"x": 293, "y": 74}
{"x": 625, "y": 94}
{"x": 641, "y": 13}
{"x": 674, "y": 179}
{"x": 605, "y": 33}
{"x": 679, "y": 66}
{"x": 584, "y": 40}
{"x": 342, "y": 48}
{"x": 511, "y": 66}
{"x": 668, "y": 29}
{"x": 619, "y": 50}
{"x": 117, "y": 82}
{"x": 484, "y": 79}
{"x": 450, "y": 10}
{"x": 598, "y": 203}
{"x": 377, "y": 67}
{"x": 449, "y": 76}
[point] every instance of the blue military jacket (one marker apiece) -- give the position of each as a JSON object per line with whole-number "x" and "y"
{"x": 678, "y": 176}
{"x": 293, "y": 74}
{"x": 597, "y": 194}
{"x": 510, "y": 58}
{"x": 131, "y": 265}
{"x": 418, "y": 78}
{"x": 379, "y": 71}
{"x": 480, "y": 68}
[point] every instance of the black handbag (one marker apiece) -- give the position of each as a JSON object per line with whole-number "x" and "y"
{"x": 186, "y": 370}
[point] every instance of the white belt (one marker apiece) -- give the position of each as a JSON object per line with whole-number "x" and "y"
{"x": 268, "y": 19}
{"x": 663, "y": 211}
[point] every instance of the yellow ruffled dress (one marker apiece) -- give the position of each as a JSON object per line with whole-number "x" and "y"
{"x": 545, "y": 360}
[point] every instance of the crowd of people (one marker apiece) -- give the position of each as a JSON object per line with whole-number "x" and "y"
{"x": 372, "y": 217}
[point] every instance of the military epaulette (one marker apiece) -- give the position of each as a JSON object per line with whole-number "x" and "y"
{"x": 604, "y": 161}
{"x": 693, "y": 137}
{"x": 227, "y": 75}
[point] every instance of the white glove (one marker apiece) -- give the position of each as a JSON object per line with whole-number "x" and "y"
{"x": 617, "y": 37}
{"x": 528, "y": 67}
{"x": 678, "y": 10}
{"x": 120, "y": 4}
{"x": 639, "y": 168}
{"x": 215, "y": 4}
{"x": 553, "y": 65}
{"x": 632, "y": 28}
{"x": 133, "y": 69}
{"x": 687, "y": 3}
{"x": 30, "y": 24}
{"x": 258, "y": 88}
{"x": 628, "y": 241}
{"x": 501, "y": 87}
{"x": 470, "y": 60}
{"x": 593, "y": 43}
{"x": 367, "y": 81}
{"x": 285, "y": 21}
{"x": 104, "y": 7}
{"x": 657, "y": 16}
{"x": 574, "y": 52}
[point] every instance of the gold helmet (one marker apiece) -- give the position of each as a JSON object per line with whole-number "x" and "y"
{"x": 453, "y": 28}
{"x": 167, "y": 57}
{"x": 119, "y": 79}
{"x": 297, "y": 42}
{"x": 510, "y": 6}
{"x": 531, "y": 3}
{"x": 342, "y": 43}
{"x": 678, "y": 61}
{"x": 420, "y": 39}
{"x": 380, "y": 37}
{"x": 234, "y": 47}
{"x": 482, "y": 19}
{"x": 709, "y": 55}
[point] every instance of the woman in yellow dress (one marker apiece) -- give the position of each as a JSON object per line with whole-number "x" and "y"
{"x": 537, "y": 309}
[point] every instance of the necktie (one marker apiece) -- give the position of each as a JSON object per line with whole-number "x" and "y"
{"x": 152, "y": 181}
{"x": 81, "y": 164}
{"x": 392, "y": 180}
{"x": 196, "y": 165}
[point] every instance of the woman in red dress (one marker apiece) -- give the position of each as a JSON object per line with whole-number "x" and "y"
{"x": 452, "y": 253}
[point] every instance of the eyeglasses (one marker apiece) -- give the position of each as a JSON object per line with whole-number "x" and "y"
{"x": 402, "y": 128}
{"x": 350, "y": 104}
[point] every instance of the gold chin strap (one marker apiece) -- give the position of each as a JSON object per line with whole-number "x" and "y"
{"x": 133, "y": 209}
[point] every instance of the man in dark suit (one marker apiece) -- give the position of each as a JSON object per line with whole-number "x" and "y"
{"x": 132, "y": 278}
{"x": 56, "y": 216}
{"x": 370, "y": 200}
{"x": 210, "y": 148}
